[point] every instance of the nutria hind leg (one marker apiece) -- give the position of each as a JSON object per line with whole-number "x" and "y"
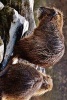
{"x": 20, "y": 82}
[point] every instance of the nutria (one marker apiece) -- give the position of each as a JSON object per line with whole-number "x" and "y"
{"x": 45, "y": 46}
{"x": 22, "y": 81}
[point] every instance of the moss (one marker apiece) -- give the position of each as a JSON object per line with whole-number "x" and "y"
{"x": 6, "y": 16}
{"x": 1, "y": 42}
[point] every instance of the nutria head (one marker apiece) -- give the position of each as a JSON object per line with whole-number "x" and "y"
{"x": 52, "y": 14}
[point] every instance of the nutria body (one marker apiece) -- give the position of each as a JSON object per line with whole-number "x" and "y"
{"x": 45, "y": 46}
{"x": 22, "y": 81}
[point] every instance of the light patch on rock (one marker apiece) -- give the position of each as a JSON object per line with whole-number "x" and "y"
{"x": 15, "y": 61}
{"x": 1, "y": 5}
{"x": 15, "y": 16}
{"x": 31, "y": 4}
{"x": 25, "y": 24}
{"x": 1, "y": 52}
{"x": 41, "y": 70}
{"x": 22, "y": 20}
{"x": 17, "y": 21}
{"x": 1, "y": 49}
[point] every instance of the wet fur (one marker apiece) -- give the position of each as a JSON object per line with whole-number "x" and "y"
{"x": 23, "y": 81}
{"x": 45, "y": 46}
{"x": 20, "y": 82}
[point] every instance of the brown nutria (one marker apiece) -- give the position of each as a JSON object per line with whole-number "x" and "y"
{"x": 22, "y": 81}
{"x": 45, "y": 46}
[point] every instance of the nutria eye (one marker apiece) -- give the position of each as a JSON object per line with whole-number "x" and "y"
{"x": 53, "y": 13}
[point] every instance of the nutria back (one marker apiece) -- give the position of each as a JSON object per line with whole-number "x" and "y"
{"x": 45, "y": 46}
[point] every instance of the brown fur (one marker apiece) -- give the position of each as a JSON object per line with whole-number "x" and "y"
{"x": 23, "y": 81}
{"x": 20, "y": 82}
{"x": 45, "y": 46}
